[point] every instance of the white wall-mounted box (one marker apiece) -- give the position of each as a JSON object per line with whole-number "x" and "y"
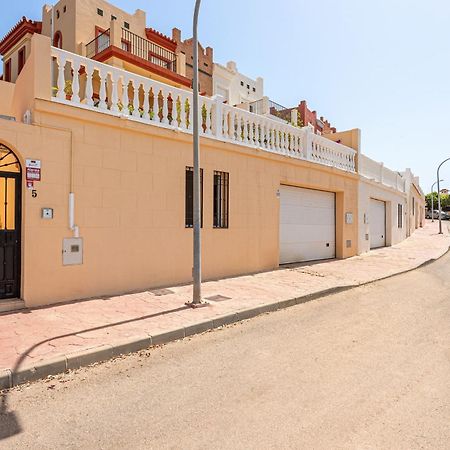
{"x": 72, "y": 251}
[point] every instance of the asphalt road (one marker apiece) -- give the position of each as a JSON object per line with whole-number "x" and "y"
{"x": 367, "y": 368}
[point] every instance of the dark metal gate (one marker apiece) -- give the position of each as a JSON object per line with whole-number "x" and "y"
{"x": 10, "y": 223}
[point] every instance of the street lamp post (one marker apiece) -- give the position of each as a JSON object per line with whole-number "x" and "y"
{"x": 439, "y": 194}
{"x": 197, "y": 270}
{"x": 432, "y": 200}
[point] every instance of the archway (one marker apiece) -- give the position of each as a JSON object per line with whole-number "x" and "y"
{"x": 10, "y": 223}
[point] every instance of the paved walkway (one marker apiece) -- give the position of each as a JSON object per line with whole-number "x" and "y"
{"x": 30, "y": 337}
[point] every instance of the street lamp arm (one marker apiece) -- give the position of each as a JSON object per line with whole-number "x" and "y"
{"x": 441, "y": 164}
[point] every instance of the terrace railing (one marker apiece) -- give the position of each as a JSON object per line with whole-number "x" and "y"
{"x": 136, "y": 46}
{"x": 88, "y": 84}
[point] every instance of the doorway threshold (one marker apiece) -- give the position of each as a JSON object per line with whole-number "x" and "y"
{"x": 13, "y": 304}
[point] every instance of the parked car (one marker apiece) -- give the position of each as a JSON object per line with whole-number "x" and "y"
{"x": 444, "y": 215}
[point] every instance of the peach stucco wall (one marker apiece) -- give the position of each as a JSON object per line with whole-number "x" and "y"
{"x": 129, "y": 184}
{"x": 6, "y": 96}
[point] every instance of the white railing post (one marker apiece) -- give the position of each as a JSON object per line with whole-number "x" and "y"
{"x": 308, "y": 143}
{"x": 218, "y": 116}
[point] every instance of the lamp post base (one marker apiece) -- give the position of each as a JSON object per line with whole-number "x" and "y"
{"x": 193, "y": 305}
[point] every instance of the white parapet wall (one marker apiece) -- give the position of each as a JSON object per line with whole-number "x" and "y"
{"x": 85, "y": 83}
{"x": 381, "y": 190}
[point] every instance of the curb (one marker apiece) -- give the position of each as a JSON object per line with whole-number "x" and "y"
{"x": 10, "y": 378}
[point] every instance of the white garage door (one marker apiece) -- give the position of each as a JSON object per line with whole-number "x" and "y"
{"x": 377, "y": 223}
{"x": 307, "y": 225}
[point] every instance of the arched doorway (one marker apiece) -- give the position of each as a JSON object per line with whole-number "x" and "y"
{"x": 10, "y": 223}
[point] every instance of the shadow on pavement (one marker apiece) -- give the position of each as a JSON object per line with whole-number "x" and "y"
{"x": 9, "y": 421}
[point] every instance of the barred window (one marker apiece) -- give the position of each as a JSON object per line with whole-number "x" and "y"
{"x": 221, "y": 201}
{"x": 189, "y": 198}
{"x": 400, "y": 215}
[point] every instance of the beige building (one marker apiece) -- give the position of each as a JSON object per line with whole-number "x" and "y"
{"x": 96, "y": 181}
{"x": 102, "y": 32}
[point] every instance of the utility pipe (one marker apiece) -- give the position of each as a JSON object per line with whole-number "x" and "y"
{"x": 72, "y": 226}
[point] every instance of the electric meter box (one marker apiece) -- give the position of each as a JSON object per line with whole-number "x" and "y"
{"x": 72, "y": 251}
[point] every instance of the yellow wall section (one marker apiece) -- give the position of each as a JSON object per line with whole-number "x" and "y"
{"x": 129, "y": 183}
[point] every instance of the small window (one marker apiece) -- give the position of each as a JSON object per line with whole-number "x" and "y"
{"x": 221, "y": 182}
{"x": 248, "y": 86}
{"x": 254, "y": 89}
{"x": 126, "y": 25}
{"x": 8, "y": 70}
{"x": 57, "y": 13}
{"x": 113, "y": 17}
{"x": 242, "y": 83}
{"x": 57, "y": 40}
{"x": 205, "y": 64}
{"x": 100, "y": 12}
{"x": 65, "y": 9}
{"x": 400, "y": 215}
{"x": 21, "y": 62}
{"x": 189, "y": 197}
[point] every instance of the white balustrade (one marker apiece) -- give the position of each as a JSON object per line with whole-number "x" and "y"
{"x": 110, "y": 90}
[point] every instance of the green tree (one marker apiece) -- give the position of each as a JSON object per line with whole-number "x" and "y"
{"x": 445, "y": 200}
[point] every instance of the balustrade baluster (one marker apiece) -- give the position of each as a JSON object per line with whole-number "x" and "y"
{"x": 102, "y": 94}
{"x": 165, "y": 108}
{"x": 114, "y": 93}
{"x": 89, "y": 85}
{"x": 154, "y": 105}
{"x": 135, "y": 86}
{"x": 146, "y": 105}
{"x": 76, "y": 81}
{"x": 208, "y": 119}
{"x": 125, "y": 96}
{"x": 182, "y": 121}
{"x": 190, "y": 113}
{"x": 61, "y": 78}
{"x": 226, "y": 123}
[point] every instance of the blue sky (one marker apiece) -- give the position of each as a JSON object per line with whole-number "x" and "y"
{"x": 382, "y": 66}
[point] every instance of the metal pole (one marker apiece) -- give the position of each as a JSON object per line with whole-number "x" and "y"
{"x": 432, "y": 200}
{"x": 197, "y": 272}
{"x": 439, "y": 194}
{"x": 52, "y": 34}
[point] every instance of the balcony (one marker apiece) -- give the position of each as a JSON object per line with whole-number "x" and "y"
{"x": 88, "y": 84}
{"x": 275, "y": 111}
{"x": 137, "y": 51}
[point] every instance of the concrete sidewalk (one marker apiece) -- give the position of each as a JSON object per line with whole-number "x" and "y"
{"x": 41, "y": 342}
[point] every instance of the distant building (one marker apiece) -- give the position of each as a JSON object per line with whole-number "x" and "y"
{"x": 235, "y": 87}
{"x": 101, "y": 31}
{"x": 205, "y": 63}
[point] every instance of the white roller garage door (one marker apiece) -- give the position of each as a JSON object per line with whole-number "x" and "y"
{"x": 307, "y": 225}
{"x": 377, "y": 223}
